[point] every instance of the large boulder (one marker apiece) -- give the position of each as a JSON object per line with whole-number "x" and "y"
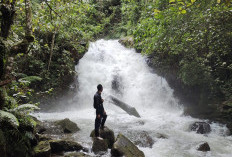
{"x": 43, "y": 149}
{"x": 204, "y": 147}
{"x": 124, "y": 147}
{"x": 58, "y": 146}
{"x": 99, "y": 146}
{"x": 67, "y": 125}
{"x": 201, "y": 127}
{"x": 107, "y": 135}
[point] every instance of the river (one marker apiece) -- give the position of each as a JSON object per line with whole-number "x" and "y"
{"x": 126, "y": 75}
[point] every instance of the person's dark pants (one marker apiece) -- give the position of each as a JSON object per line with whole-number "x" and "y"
{"x": 99, "y": 122}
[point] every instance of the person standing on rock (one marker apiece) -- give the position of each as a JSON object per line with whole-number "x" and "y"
{"x": 100, "y": 111}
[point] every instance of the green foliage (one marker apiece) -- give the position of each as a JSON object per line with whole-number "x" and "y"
{"x": 8, "y": 117}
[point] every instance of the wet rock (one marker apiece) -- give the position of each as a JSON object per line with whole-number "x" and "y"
{"x": 124, "y": 147}
{"x": 49, "y": 128}
{"x": 43, "y": 149}
{"x": 161, "y": 136}
{"x": 130, "y": 110}
{"x": 201, "y": 127}
{"x": 67, "y": 125}
{"x": 144, "y": 140}
{"x": 64, "y": 146}
{"x": 141, "y": 138}
{"x": 107, "y": 135}
{"x": 127, "y": 41}
{"x": 99, "y": 146}
{"x": 77, "y": 154}
{"x": 204, "y": 147}
{"x": 116, "y": 83}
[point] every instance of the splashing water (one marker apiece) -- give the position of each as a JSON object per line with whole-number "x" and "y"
{"x": 125, "y": 74}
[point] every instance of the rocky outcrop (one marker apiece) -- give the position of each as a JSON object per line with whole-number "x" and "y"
{"x": 58, "y": 146}
{"x": 67, "y": 125}
{"x": 57, "y": 127}
{"x": 130, "y": 110}
{"x": 201, "y": 127}
{"x": 204, "y": 147}
{"x": 43, "y": 149}
{"x": 127, "y": 41}
{"x": 99, "y": 146}
{"x": 107, "y": 135}
{"x": 124, "y": 147}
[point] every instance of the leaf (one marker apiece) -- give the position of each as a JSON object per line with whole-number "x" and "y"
{"x": 172, "y": 1}
{"x": 183, "y": 12}
{"x": 7, "y": 116}
{"x": 26, "y": 108}
{"x": 193, "y": 1}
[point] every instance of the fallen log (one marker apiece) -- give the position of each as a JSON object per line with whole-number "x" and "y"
{"x": 130, "y": 110}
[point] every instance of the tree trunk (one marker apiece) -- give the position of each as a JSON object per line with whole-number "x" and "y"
{"x": 51, "y": 49}
{"x": 8, "y": 12}
{"x": 28, "y": 28}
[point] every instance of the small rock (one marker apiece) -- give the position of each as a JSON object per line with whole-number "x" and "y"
{"x": 127, "y": 41}
{"x": 99, "y": 146}
{"x": 204, "y": 147}
{"x": 64, "y": 146}
{"x": 106, "y": 134}
{"x": 201, "y": 127}
{"x": 161, "y": 136}
{"x": 43, "y": 149}
{"x": 144, "y": 140}
{"x": 67, "y": 125}
{"x": 124, "y": 147}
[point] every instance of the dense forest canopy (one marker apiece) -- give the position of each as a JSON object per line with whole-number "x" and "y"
{"x": 189, "y": 41}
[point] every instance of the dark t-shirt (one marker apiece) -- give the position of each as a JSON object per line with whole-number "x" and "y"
{"x": 97, "y": 100}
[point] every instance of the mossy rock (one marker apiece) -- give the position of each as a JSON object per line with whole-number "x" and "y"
{"x": 43, "y": 149}
{"x": 67, "y": 125}
{"x": 58, "y": 146}
{"x": 127, "y": 41}
{"x": 99, "y": 146}
{"x": 124, "y": 147}
{"x": 107, "y": 135}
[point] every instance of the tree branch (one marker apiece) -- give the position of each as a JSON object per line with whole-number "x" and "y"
{"x": 52, "y": 9}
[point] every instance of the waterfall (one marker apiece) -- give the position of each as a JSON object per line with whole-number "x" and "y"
{"x": 126, "y": 75}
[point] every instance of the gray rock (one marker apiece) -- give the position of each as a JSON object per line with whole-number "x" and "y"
{"x": 99, "y": 146}
{"x": 43, "y": 149}
{"x": 67, "y": 125}
{"x": 204, "y": 147}
{"x": 201, "y": 127}
{"x": 124, "y": 147}
{"x": 130, "y": 110}
{"x": 107, "y": 135}
{"x": 144, "y": 140}
{"x": 58, "y": 146}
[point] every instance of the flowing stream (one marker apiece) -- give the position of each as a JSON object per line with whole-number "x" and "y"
{"x": 126, "y": 75}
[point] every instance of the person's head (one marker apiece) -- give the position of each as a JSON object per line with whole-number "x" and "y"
{"x": 99, "y": 88}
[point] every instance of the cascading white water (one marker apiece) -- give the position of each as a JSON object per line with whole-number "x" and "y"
{"x": 125, "y": 74}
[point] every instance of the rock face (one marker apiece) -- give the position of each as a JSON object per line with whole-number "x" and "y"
{"x": 124, "y": 147}
{"x": 204, "y": 147}
{"x": 107, "y": 135}
{"x": 201, "y": 127}
{"x": 43, "y": 149}
{"x": 130, "y": 110}
{"x": 99, "y": 146}
{"x": 67, "y": 125}
{"x": 58, "y": 146}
